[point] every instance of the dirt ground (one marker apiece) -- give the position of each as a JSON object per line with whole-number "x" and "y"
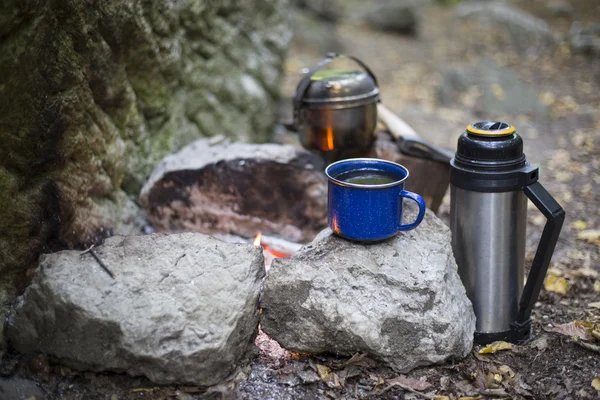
{"x": 562, "y": 135}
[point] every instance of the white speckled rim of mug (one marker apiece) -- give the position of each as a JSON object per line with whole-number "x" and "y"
{"x": 357, "y": 185}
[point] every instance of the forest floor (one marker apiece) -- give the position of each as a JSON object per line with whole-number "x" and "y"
{"x": 453, "y": 72}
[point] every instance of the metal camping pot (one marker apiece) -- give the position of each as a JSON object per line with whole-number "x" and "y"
{"x": 336, "y": 109}
{"x": 490, "y": 182}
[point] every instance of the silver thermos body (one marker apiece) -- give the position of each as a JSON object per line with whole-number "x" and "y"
{"x": 490, "y": 183}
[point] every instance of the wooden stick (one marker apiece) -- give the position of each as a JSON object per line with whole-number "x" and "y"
{"x": 88, "y": 250}
{"x": 396, "y": 126}
{"x": 108, "y": 271}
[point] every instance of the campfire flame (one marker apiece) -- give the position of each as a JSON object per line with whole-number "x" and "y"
{"x": 257, "y": 239}
{"x": 269, "y": 253}
{"x": 329, "y": 144}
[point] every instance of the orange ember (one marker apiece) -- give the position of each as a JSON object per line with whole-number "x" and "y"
{"x": 329, "y": 145}
{"x": 277, "y": 254}
{"x": 266, "y": 248}
{"x": 334, "y": 224}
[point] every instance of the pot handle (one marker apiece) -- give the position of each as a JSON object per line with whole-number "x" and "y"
{"x": 305, "y": 82}
{"x": 555, "y": 216}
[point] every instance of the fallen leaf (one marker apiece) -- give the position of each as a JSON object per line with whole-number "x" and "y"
{"x": 541, "y": 343}
{"x": 586, "y": 324}
{"x": 466, "y": 388}
{"x": 494, "y": 347}
{"x": 330, "y": 378}
{"x": 597, "y": 286}
{"x": 521, "y": 387}
{"x": 308, "y": 376}
{"x": 490, "y": 382}
{"x": 470, "y": 398}
{"x": 441, "y": 398}
{"x": 587, "y": 345}
{"x": 349, "y": 372}
{"x": 506, "y": 370}
{"x": 323, "y": 370}
{"x": 412, "y": 383}
{"x": 572, "y": 329}
{"x": 590, "y": 236}
{"x": 596, "y": 383}
{"x": 594, "y": 305}
{"x": 579, "y": 224}
{"x": 556, "y": 285}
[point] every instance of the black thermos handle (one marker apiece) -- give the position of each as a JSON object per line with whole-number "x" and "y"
{"x": 305, "y": 82}
{"x": 555, "y": 216}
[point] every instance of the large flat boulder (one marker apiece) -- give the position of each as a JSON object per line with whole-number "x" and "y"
{"x": 183, "y": 308}
{"x": 400, "y": 301}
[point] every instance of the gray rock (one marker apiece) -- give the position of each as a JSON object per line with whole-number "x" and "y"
{"x": 393, "y": 15}
{"x": 182, "y": 308}
{"x": 560, "y": 8}
{"x": 214, "y": 186}
{"x": 20, "y": 389}
{"x": 500, "y": 89}
{"x": 526, "y": 31}
{"x": 585, "y": 39}
{"x": 400, "y": 301}
{"x": 328, "y": 10}
{"x": 314, "y": 33}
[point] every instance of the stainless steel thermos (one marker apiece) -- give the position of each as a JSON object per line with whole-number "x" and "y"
{"x": 491, "y": 180}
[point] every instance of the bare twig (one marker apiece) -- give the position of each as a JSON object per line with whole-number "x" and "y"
{"x": 404, "y": 387}
{"x": 88, "y": 250}
{"x": 108, "y": 271}
{"x": 496, "y": 393}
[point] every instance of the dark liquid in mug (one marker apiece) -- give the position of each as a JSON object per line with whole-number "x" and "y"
{"x": 367, "y": 177}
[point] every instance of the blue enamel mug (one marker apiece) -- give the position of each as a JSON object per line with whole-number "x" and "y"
{"x": 368, "y": 211}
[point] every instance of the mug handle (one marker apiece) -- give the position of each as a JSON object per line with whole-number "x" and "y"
{"x": 417, "y": 198}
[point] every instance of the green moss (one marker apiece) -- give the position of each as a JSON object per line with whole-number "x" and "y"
{"x": 94, "y": 95}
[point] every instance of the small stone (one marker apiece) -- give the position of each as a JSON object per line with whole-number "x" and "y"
{"x": 399, "y": 16}
{"x": 18, "y": 389}
{"x": 526, "y": 30}
{"x": 585, "y": 39}
{"x": 561, "y": 8}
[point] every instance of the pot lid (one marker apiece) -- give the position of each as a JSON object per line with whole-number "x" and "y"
{"x": 337, "y": 85}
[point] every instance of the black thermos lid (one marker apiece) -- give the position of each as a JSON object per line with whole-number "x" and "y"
{"x": 489, "y": 158}
{"x": 490, "y": 144}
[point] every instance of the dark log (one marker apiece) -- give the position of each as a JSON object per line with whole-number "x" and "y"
{"x": 239, "y": 189}
{"x": 428, "y": 178}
